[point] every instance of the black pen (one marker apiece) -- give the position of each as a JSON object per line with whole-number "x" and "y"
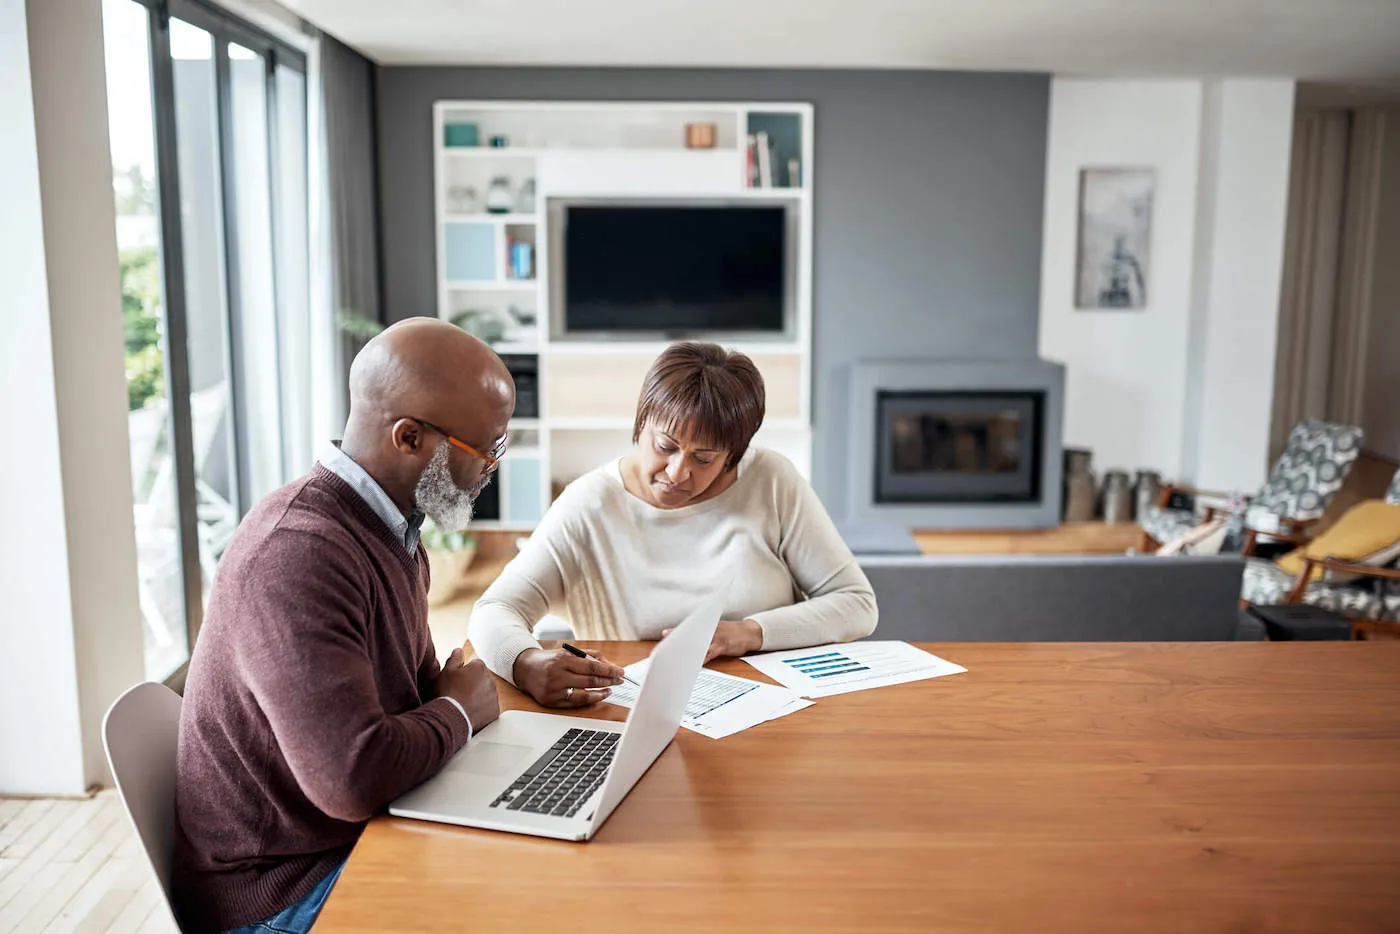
{"x": 575, "y": 650}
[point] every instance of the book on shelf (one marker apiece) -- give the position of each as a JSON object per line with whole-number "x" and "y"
{"x": 761, "y": 154}
{"x": 765, "y": 160}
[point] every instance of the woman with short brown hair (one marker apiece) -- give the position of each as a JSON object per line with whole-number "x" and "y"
{"x": 629, "y": 548}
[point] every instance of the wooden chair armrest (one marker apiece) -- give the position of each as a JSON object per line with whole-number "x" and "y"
{"x": 1298, "y": 534}
{"x": 1351, "y": 567}
{"x": 1300, "y": 584}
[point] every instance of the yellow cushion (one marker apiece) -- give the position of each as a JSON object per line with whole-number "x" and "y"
{"x": 1370, "y": 529}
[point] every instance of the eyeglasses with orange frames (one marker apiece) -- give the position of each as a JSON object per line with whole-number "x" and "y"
{"x": 492, "y": 459}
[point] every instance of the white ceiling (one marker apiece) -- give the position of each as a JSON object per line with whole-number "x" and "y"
{"x": 1333, "y": 40}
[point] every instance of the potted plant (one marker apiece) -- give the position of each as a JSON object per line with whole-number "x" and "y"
{"x": 450, "y": 556}
{"x": 481, "y": 323}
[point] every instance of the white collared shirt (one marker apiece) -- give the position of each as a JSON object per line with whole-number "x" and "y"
{"x": 406, "y": 529}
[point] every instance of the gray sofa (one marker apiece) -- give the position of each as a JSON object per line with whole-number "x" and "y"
{"x": 1071, "y": 598}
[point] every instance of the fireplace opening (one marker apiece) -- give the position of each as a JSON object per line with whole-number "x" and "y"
{"x": 958, "y": 447}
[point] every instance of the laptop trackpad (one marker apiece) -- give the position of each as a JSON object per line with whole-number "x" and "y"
{"x": 488, "y": 758}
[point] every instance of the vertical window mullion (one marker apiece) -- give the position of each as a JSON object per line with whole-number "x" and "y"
{"x": 177, "y": 368}
{"x": 274, "y": 195}
{"x": 239, "y": 465}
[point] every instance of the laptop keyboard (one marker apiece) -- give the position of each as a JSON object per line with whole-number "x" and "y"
{"x": 562, "y": 780}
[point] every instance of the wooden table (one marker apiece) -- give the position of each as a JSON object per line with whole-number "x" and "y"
{"x": 1056, "y": 787}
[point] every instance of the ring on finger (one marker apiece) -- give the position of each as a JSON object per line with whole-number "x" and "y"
{"x": 568, "y": 694}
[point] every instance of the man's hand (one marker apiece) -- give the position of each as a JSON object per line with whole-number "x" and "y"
{"x": 555, "y": 678}
{"x": 732, "y": 638}
{"x": 472, "y": 686}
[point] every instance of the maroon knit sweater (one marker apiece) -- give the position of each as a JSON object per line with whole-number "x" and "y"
{"x": 308, "y": 705}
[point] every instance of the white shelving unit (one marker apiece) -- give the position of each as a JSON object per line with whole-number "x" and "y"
{"x": 586, "y": 390}
{"x": 495, "y": 219}
{"x": 493, "y": 285}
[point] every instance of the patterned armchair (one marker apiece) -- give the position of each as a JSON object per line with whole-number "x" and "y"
{"x": 1312, "y": 467}
{"x": 1369, "y": 594}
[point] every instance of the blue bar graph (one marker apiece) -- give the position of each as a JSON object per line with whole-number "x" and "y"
{"x": 812, "y": 659}
{"x": 846, "y": 663}
{"x": 825, "y": 665}
{"x": 843, "y": 671}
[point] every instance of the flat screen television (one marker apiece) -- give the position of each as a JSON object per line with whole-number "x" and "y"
{"x": 671, "y": 270}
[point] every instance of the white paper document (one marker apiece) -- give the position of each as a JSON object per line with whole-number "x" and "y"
{"x": 720, "y": 704}
{"x": 852, "y": 666}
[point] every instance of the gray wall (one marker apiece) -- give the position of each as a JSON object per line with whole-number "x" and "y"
{"x": 928, "y": 200}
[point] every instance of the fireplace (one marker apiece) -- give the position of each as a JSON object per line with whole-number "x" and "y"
{"x": 958, "y": 447}
{"x": 956, "y": 444}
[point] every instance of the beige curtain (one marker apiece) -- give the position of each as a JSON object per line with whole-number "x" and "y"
{"x": 1311, "y": 258}
{"x": 1329, "y": 263}
{"x": 1356, "y": 277}
{"x": 344, "y": 220}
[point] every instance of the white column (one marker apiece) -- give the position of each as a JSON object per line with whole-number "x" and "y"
{"x": 70, "y": 627}
{"x": 1246, "y": 141}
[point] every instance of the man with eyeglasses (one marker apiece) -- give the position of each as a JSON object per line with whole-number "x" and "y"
{"x": 314, "y": 695}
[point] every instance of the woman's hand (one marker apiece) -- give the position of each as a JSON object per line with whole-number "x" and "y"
{"x": 732, "y": 638}
{"x": 555, "y": 678}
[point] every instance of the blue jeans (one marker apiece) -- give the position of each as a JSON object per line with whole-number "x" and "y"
{"x": 298, "y": 918}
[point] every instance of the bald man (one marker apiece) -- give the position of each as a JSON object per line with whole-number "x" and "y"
{"x": 314, "y": 695}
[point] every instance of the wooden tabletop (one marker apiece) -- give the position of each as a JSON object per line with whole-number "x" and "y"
{"x": 1054, "y": 787}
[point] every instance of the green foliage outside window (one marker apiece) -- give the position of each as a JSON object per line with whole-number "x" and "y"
{"x": 145, "y": 365}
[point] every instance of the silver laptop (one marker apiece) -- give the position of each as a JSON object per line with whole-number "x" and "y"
{"x": 557, "y": 776}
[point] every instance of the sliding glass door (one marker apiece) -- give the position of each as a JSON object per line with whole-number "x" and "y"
{"x": 160, "y": 578}
{"x": 248, "y": 186}
{"x": 208, "y": 129}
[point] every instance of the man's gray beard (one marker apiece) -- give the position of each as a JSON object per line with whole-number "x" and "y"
{"x": 440, "y": 498}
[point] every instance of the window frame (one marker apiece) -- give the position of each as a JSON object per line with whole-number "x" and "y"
{"x": 224, "y": 28}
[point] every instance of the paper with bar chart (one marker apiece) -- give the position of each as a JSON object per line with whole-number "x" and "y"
{"x": 719, "y": 704}
{"x": 853, "y": 666}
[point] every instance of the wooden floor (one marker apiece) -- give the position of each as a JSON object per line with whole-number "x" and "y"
{"x": 75, "y": 866}
{"x": 448, "y": 621}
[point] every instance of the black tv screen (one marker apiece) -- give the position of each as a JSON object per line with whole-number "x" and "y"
{"x": 674, "y": 269}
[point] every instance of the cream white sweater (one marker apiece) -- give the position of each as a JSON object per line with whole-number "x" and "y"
{"x": 619, "y": 568}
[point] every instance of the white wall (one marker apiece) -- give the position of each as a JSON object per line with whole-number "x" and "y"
{"x": 36, "y": 652}
{"x": 1125, "y": 387}
{"x": 1138, "y": 381}
{"x": 1247, "y": 145}
{"x": 70, "y": 631}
